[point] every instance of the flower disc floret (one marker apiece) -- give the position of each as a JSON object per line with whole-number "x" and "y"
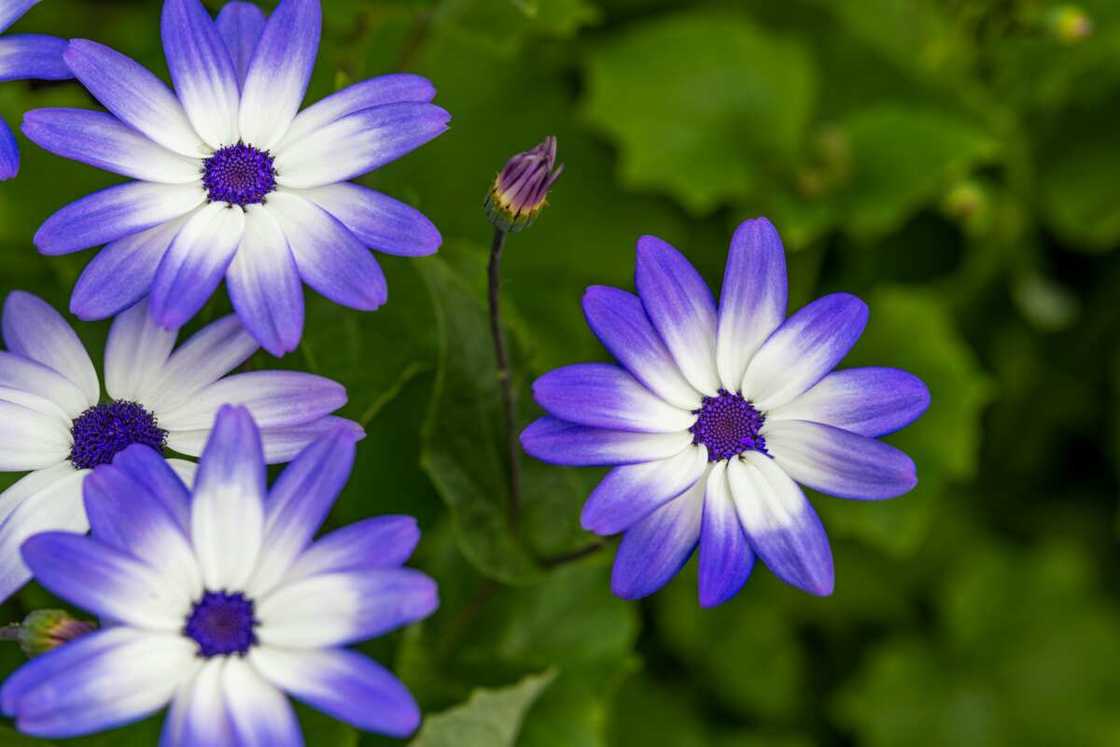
{"x": 103, "y": 431}
{"x": 239, "y": 174}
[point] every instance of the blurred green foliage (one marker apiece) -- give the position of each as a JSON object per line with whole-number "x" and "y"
{"x": 952, "y": 161}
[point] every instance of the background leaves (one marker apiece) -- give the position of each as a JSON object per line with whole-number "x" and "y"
{"x": 951, "y": 162}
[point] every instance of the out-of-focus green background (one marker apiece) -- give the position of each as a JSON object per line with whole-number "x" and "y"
{"x": 954, "y": 162}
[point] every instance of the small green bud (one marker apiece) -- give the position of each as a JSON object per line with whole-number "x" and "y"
{"x": 1070, "y": 24}
{"x": 44, "y": 630}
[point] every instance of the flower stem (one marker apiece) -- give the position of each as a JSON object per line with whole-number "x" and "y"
{"x": 505, "y": 381}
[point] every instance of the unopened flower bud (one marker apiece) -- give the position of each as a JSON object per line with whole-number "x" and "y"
{"x": 43, "y": 630}
{"x": 520, "y": 191}
{"x": 1070, "y": 24}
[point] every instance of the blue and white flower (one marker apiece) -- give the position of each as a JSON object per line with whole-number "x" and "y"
{"x": 55, "y": 425}
{"x": 233, "y": 181}
{"x": 218, "y": 601}
{"x": 24, "y": 57}
{"x": 716, "y": 414}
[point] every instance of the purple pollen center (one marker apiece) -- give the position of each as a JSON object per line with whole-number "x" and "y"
{"x": 239, "y": 174}
{"x": 103, "y": 431}
{"x": 222, "y": 624}
{"x": 728, "y": 425}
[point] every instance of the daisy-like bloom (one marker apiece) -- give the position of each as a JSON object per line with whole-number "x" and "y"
{"x": 716, "y": 414}
{"x": 233, "y": 180}
{"x": 55, "y": 425}
{"x": 220, "y": 601}
{"x": 24, "y": 57}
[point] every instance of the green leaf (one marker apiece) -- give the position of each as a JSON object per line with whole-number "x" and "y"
{"x": 464, "y": 451}
{"x": 574, "y": 711}
{"x": 715, "y": 104}
{"x": 321, "y": 730}
{"x": 903, "y": 158}
{"x": 917, "y": 36}
{"x": 1078, "y": 181}
{"x": 754, "y": 634}
{"x": 491, "y": 718}
{"x": 597, "y": 625}
{"x": 12, "y": 738}
{"x": 503, "y": 26}
{"x": 994, "y": 672}
{"x": 913, "y": 329}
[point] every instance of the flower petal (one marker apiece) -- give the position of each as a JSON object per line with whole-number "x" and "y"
{"x": 330, "y": 259}
{"x": 103, "y": 141}
{"x": 280, "y": 71}
{"x": 369, "y": 139}
{"x": 241, "y": 25}
{"x": 134, "y": 95}
{"x": 12, "y": 10}
{"x": 165, "y": 479}
{"x": 51, "y": 501}
{"x": 619, "y": 320}
{"x": 386, "y": 89}
{"x": 264, "y": 284}
{"x": 260, "y": 714}
{"x": 114, "y": 213}
{"x": 600, "y": 395}
{"x": 38, "y": 404}
{"x": 195, "y": 264}
{"x": 681, "y": 307}
{"x": 30, "y": 439}
{"x": 633, "y": 491}
{"x": 336, "y": 609}
{"x": 378, "y": 221}
{"x": 281, "y": 444}
{"x": 227, "y": 515}
{"x": 377, "y": 542}
{"x": 31, "y": 483}
{"x": 345, "y": 685}
{"x": 805, "y": 348}
{"x": 781, "y": 525}
{"x": 560, "y": 442}
{"x": 199, "y": 714}
{"x": 124, "y": 514}
{"x": 868, "y": 401}
{"x": 205, "y": 357}
{"x": 275, "y": 399}
{"x": 656, "y": 548}
{"x": 33, "y": 57}
{"x": 839, "y": 462}
{"x": 135, "y": 354}
{"x": 22, "y": 374}
{"x": 9, "y": 152}
{"x": 103, "y": 680}
{"x": 121, "y": 274}
{"x": 725, "y": 556}
{"x": 33, "y": 329}
{"x": 105, "y": 581}
{"x": 299, "y": 502}
{"x": 752, "y": 303}
{"x": 202, "y": 70}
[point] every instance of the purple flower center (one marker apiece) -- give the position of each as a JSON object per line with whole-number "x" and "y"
{"x": 103, "y": 431}
{"x": 222, "y": 624}
{"x": 239, "y": 174}
{"x": 728, "y": 425}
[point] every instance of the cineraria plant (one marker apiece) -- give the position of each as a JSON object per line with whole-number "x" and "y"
{"x": 716, "y": 414}
{"x": 217, "y": 600}
{"x": 233, "y": 181}
{"x": 55, "y": 425}
{"x": 22, "y": 57}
